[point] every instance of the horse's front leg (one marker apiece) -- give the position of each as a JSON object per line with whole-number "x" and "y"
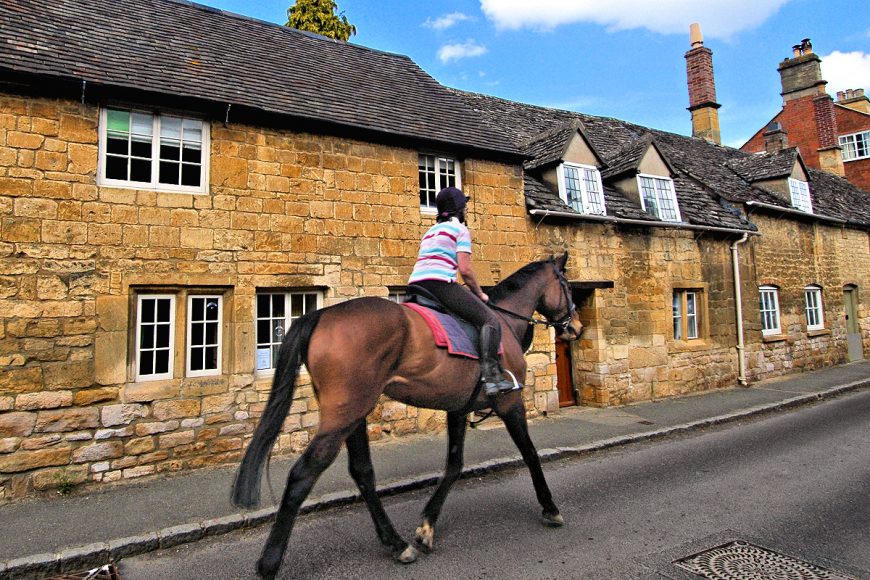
{"x": 456, "y": 425}
{"x": 363, "y": 473}
{"x": 510, "y": 408}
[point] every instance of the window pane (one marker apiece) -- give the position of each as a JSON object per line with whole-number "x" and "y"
{"x": 146, "y": 336}
{"x": 278, "y": 304}
{"x": 197, "y": 308}
{"x": 211, "y": 360}
{"x": 264, "y": 332}
{"x": 140, "y": 170}
{"x": 263, "y": 302}
{"x": 116, "y": 168}
{"x": 169, "y": 172}
{"x": 161, "y": 362}
{"x": 146, "y": 362}
{"x": 211, "y": 332}
{"x": 117, "y": 144}
{"x": 162, "y": 336}
{"x": 212, "y": 308}
{"x": 163, "y": 310}
{"x": 196, "y": 333}
{"x": 678, "y": 318}
{"x": 148, "y": 309}
{"x": 310, "y": 302}
{"x": 190, "y": 175}
{"x": 117, "y": 121}
{"x": 296, "y": 305}
{"x": 196, "y": 359}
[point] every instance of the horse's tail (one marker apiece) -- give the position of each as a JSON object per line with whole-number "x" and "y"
{"x": 291, "y": 355}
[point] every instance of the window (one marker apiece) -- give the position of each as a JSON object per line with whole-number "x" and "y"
{"x": 658, "y": 197}
{"x": 686, "y": 314}
{"x": 204, "y": 320}
{"x": 397, "y": 296}
{"x": 815, "y": 312}
{"x": 800, "y": 195}
{"x": 149, "y": 151}
{"x": 855, "y": 146}
{"x": 436, "y": 173}
{"x": 275, "y": 312}
{"x": 155, "y": 336}
{"x": 580, "y": 188}
{"x": 769, "y": 305}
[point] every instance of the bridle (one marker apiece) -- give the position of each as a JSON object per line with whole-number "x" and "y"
{"x": 563, "y": 323}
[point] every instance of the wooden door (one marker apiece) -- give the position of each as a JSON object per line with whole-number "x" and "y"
{"x": 853, "y": 329}
{"x": 564, "y": 377}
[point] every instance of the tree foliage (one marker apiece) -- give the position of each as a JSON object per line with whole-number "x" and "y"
{"x": 319, "y": 16}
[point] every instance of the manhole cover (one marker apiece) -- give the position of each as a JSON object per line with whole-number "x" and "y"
{"x": 743, "y": 561}
{"x": 107, "y": 572}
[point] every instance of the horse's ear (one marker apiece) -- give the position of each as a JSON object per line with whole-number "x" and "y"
{"x": 562, "y": 261}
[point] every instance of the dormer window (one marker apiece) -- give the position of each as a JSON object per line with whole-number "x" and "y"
{"x": 658, "y": 197}
{"x": 800, "y": 195}
{"x": 580, "y": 187}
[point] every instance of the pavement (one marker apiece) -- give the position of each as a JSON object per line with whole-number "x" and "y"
{"x": 48, "y": 537}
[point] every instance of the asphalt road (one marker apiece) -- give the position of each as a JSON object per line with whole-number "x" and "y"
{"x": 796, "y": 483}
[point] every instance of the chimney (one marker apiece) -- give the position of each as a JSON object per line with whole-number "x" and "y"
{"x": 775, "y": 138}
{"x": 854, "y": 99}
{"x": 702, "y": 88}
{"x": 801, "y": 75}
{"x": 830, "y": 152}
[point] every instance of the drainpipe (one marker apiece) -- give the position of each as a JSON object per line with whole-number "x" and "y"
{"x": 741, "y": 357}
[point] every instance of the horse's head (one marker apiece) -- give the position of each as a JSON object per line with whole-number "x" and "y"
{"x": 557, "y": 305}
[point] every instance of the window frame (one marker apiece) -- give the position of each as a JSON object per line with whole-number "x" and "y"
{"x": 814, "y": 291}
{"x": 154, "y": 184}
{"x": 584, "y": 204}
{"x": 850, "y": 145}
{"x": 671, "y": 196}
{"x": 772, "y": 291}
{"x": 397, "y": 295}
{"x": 687, "y": 325}
{"x": 798, "y": 190}
{"x": 169, "y": 374}
{"x": 436, "y": 171}
{"x": 288, "y": 319}
{"x": 204, "y": 372}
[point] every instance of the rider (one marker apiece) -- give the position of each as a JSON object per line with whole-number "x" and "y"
{"x": 446, "y": 248}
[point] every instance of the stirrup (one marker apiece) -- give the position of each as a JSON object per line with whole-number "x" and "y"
{"x": 492, "y": 388}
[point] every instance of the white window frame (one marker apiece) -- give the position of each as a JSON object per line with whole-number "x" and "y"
{"x": 800, "y": 195}
{"x": 171, "y": 347}
{"x": 397, "y": 296}
{"x": 661, "y": 195}
{"x": 589, "y": 188}
{"x": 855, "y": 145}
{"x": 204, "y": 372}
{"x": 270, "y": 348}
{"x": 771, "y": 323}
{"x": 154, "y": 183}
{"x": 814, "y": 307}
{"x": 444, "y": 172}
{"x": 686, "y": 314}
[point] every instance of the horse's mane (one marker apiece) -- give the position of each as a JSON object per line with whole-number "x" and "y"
{"x": 516, "y": 280}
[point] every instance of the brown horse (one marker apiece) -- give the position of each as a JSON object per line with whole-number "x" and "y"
{"x": 356, "y": 350}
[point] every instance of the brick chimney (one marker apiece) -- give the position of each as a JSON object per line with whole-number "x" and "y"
{"x": 702, "y": 88}
{"x": 808, "y": 110}
{"x": 775, "y": 138}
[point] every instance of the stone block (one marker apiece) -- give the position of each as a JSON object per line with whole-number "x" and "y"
{"x": 149, "y": 391}
{"x": 17, "y": 424}
{"x": 171, "y": 440}
{"x": 71, "y": 419}
{"x": 98, "y": 452}
{"x": 21, "y": 380}
{"x": 139, "y": 471}
{"x": 155, "y": 427}
{"x": 218, "y": 403}
{"x": 139, "y": 446}
{"x": 27, "y": 460}
{"x": 176, "y": 409}
{"x": 44, "y": 400}
{"x": 41, "y": 442}
{"x": 90, "y": 396}
{"x": 113, "y": 433}
{"x": 9, "y": 444}
{"x": 122, "y": 414}
{"x": 110, "y": 358}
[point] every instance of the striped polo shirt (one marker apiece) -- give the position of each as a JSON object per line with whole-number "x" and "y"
{"x": 437, "y": 259}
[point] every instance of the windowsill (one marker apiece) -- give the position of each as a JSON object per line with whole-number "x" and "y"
{"x": 774, "y": 338}
{"x": 137, "y": 186}
{"x": 818, "y": 332}
{"x": 428, "y": 211}
{"x": 856, "y": 159}
{"x": 691, "y": 345}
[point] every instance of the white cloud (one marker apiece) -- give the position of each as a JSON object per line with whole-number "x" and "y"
{"x": 718, "y": 19}
{"x": 846, "y": 70}
{"x": 446, "y": 21}
{"x": 467, "y": 49}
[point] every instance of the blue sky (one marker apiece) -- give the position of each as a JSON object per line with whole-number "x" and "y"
{"x": 614, "y": 58}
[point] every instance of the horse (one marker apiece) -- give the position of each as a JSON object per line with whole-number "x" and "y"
{"x": 355, "y": 351}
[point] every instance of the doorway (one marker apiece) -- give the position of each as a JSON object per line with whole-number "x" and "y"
{"x": 564, "y": 376}
{"x": 853, "y": 329}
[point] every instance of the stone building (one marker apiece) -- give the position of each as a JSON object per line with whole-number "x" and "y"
{"x": 170, "y": 202}
{"x": 833, "y": 135}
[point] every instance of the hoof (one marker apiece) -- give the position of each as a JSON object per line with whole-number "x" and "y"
{"x": 553, "y": 520}
{"x": 425, "y": 537}
{"x": 408, "y": 555}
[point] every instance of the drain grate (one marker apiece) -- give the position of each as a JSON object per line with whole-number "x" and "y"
{"x": 107, "y": 572}
{"x": 743, "y": 561}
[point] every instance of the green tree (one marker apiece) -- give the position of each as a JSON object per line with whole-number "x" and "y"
{"x": 319, "y": 16}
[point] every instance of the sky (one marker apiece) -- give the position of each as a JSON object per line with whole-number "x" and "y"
{"x": 612, "y": 58}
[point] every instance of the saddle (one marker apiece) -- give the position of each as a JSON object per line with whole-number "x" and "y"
{"x": 456, "y": 334}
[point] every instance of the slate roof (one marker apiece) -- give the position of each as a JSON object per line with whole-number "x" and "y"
{"x": 762, "y": 166}
{"x": 549, "y": 147}
{"x": 188, "y": 50}
{"x": 710, "y": 188}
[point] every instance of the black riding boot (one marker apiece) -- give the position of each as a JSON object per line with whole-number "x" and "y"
{"x": 491, "y": 372}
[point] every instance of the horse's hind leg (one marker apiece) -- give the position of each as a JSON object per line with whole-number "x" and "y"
{"x": 512, "y": 411}
{"x": 319, "y": 454}
{"x": 362, "y": 472}
{"x": 456, "y": 426}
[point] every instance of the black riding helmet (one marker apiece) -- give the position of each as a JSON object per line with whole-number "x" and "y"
{"x": 450, "y": 202}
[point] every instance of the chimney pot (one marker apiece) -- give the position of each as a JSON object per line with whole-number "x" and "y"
{"x": 796, "y": 50}
{"x": 841, "y": 95}
{"x": 806, "y": 46}
{"x": 696, "y": 37}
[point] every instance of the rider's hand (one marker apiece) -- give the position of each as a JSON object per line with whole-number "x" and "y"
{"x": 484, "y": 297}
